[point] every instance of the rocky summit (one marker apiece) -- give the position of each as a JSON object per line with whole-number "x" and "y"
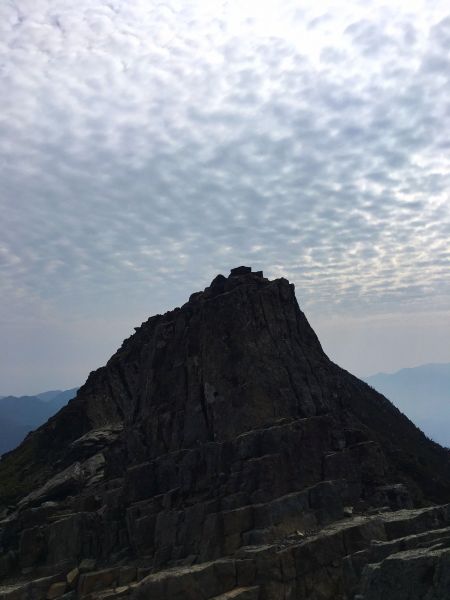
{"x": 220, "y": 454}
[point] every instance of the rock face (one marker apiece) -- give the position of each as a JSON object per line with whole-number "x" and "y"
{"x": 221, "y": 454}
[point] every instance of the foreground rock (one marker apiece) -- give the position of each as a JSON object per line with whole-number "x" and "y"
{"x": 220, "y": 454}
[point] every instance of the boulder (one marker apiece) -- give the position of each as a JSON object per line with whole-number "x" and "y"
{"x": 56, "y": 590}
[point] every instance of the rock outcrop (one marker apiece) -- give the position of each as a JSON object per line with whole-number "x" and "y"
{"x": 221, "y": 455}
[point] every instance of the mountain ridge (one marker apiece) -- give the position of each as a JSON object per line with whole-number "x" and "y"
{"x": 218, "y": 436}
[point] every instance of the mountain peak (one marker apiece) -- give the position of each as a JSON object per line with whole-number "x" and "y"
{"x": 221, "y": 284}
{"x": 216, "y": 429}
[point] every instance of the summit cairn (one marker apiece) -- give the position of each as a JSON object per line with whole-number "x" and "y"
{"x": 220, "y": 454}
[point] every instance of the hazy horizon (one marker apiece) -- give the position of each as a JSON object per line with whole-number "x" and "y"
{"x": 343, "y": 353}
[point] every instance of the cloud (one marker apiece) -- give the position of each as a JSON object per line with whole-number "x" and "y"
{"x": 146, "y": 146}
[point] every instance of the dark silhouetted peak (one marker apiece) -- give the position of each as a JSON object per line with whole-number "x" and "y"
{"x": 220, "y": 284}
{"x": 219, "y": 429}
{"x": 240, "y": 271}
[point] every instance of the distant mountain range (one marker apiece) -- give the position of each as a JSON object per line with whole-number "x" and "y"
{"x": 21, "y": 414}
{"x": 422, "y": 394}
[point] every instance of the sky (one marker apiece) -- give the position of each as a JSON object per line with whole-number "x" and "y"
{"x": 147, "y": 146}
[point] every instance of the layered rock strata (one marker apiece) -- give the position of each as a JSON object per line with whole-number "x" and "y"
{"x": 221, "y": 454}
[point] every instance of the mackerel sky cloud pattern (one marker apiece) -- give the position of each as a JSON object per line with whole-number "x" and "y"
{"x": 146, "y": 146}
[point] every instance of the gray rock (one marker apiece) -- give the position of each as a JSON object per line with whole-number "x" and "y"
{"x": 217, "y": 454}
{"x": 420, "y": 574}
{"x": 60, "y": 485}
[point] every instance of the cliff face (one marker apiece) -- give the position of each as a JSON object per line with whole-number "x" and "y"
{"x": 217, "y": 427}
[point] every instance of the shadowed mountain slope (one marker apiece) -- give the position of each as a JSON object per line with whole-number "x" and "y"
{"x": 217, "y": 430}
